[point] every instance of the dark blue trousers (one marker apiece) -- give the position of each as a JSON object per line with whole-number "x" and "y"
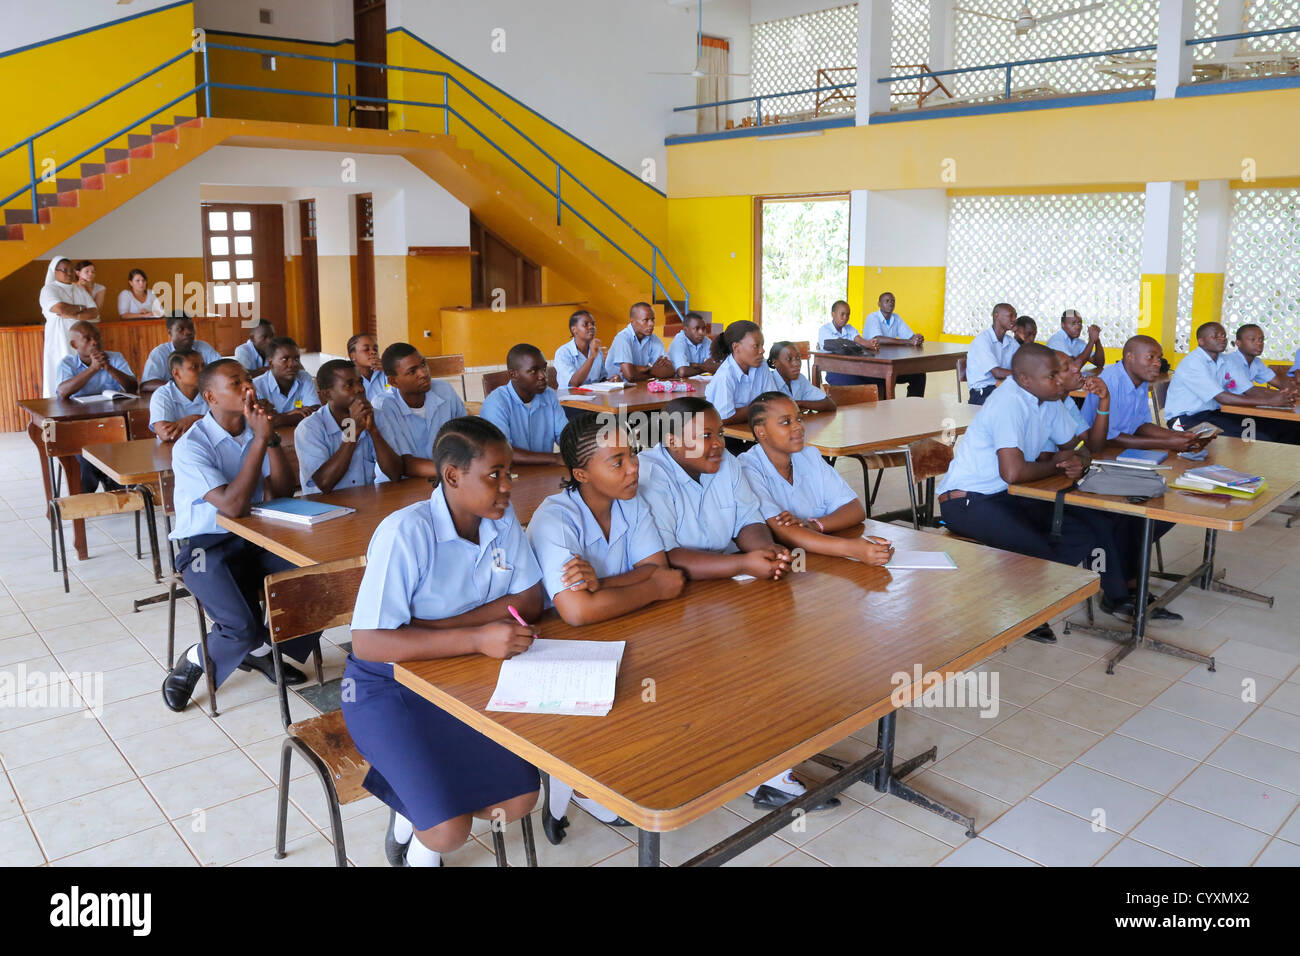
{"x": 976, "y": 396}
{"x": 915, "y": 383}
{"x": 225, "y": 573}
{"x": 1266, "y": 429}
{"x": 92, "y": 478}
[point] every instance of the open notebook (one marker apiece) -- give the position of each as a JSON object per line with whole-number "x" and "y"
{"x": 559, "y": 677}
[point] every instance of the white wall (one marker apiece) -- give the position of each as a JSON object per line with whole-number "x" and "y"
{"x": 27, "y": 23}
{"x": 326, "y": 21}
{"x": 164, "y": 221}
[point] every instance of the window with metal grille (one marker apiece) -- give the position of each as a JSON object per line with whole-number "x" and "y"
{"x": 1253, "y": 56}
{"x": 909, "y": 49}
{"x": 786, "y": 55}
{"x": 1186, "y": 273}
{"x": 1261, "y": 283}
{"x": 1045, "y": 254}
{"x": 979, "y": 40}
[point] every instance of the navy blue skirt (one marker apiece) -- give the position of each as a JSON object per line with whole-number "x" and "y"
{"x": 424, "y": 763}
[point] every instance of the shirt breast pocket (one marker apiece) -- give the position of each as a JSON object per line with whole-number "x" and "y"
{"x": 726, "y": 517}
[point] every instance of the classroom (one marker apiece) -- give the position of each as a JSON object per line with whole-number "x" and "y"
{"x": 833, "y": 435}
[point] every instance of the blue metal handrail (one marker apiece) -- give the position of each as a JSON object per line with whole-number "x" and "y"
{"x": 1272, "y": 31}
{"x": 205, "y": 87}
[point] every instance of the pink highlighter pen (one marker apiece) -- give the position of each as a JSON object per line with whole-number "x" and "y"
{"x": 515, "y": 614}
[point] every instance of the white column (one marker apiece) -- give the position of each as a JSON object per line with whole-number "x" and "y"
{"x": 1213, "y": 213}
{"x": 1162, "y": 233}
{"x": 874, "y": 35}
{"x": 1173, "y": 55}
{"x": 858, "y": 227}
{"x": 941, "y": 30}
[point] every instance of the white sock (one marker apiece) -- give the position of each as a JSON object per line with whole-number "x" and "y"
{"x": 417, "y": 854}
{"x": 261, "y": 651}
{"x": 402, "y": 829}
{"x": 560, "y": 794}
{"x": 596, "y": 810}
{"x": 193, "y": 655}
{"x": 785, "y": 782}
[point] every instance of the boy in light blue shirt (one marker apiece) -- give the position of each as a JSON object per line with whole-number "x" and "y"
{"x": 1129, "y": 384}
{"x": 1069, "y": 339}
{"x": 689, "y": 349}
{"x": 254, "y": 353}
{"x": 89, "y": 370}
{"x": 175, "y": 407}
{"x": 1245, "y": 369}
{"x": 637, "y": 353}
{"x": 840, "y": 328}
{"x": 339, "y": 445}
{"x": 414, "y": 409}
{"x": 229, "y": 461}
{"x": 181, "y": 335}
{"x": 286, "y": 385}
{"x": 526, "y": 409}
{"x": 988, "y": 360}
{"x": 886, "y": 327}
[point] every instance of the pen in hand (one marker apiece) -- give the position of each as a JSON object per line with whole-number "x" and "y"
{"x": 515, "y": 614}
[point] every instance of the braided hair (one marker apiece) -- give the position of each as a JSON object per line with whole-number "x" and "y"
{"x": 461, "y": 440}
{"x": 721, "y": 347}
{"x": 761, "y": 406}
{"x": 579, "y": 441}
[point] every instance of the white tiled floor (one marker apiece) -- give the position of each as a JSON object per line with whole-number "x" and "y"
{"x": 1161, "y": 764}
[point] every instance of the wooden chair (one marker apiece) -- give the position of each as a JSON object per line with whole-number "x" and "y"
{"x": 961, "y": 375}
{"x": 445, "y": 366}
{"x": 1159, "y": 391}
{"x": 927, "y": 459}
{"x": 805, "y": 355}
{"x": 852, "y": 394}
{"x": 494, "y": 380}
{"x": 303, "y": 601}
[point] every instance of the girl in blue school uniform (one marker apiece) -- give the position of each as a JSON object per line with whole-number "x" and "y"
{"x": 601, "y": 556}
{"x": 785, "y": 362}
{"x": 742, "y": 374}
{"x": 441, "y": 577}
{"x": 802, "y": 498}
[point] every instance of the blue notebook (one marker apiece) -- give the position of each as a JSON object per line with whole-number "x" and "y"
{"x": 298, "y": 510}
{"x": 1149, "y": 456}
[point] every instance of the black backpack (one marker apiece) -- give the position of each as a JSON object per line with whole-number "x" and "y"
{"x": 843, "y": 347}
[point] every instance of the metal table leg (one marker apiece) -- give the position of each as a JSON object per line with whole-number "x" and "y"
{"x": 889, "y": 778}
{"x": 647, "y": 848}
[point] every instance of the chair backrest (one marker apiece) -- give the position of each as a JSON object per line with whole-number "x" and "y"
{"x": 804, "y": 349}
{"x": 445, "y": 366}
{"x": 69, "y": 437}
{"x": 930, "y": 458}
{"x": 961, "y": 369}
{"x": 1160, "y": 390}
{"x": 852, "y": 394}
{"x": 494, "y": 380}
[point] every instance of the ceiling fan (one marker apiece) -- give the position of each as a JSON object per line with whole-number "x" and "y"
{"x": 1025, "y": 21}
{"x": 698, "y": 72}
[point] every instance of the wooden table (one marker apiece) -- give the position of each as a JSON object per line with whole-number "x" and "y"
{"x": 348, "y": 536}
{"x": 878, "y": 426}
{"x": 752, "y": 678}
{"x": 1279, "y": 464}
{"x": 53, "y": 410}
{"x": 1286, "y": 413}
{"x": 890, "y": 361}
{"x": 634, "y": 398}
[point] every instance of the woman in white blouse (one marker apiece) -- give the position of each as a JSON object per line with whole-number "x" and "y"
{"x": 137, "y": 301}
{"x": 63, "y": 303}
{"x": 86, "y": 279}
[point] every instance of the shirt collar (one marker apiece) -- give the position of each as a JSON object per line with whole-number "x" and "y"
{"x": 444, "y": 529}
{"x": 591, "y": 533}
{"x": 678, "y": 474}
{"x": 215, "y": 434}
{"x": 431, "y": 400}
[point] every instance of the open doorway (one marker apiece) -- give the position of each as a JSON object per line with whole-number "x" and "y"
{"x": 801, "y": 263}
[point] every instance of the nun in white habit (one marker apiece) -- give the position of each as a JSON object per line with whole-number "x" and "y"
{"x": 63, "y": 303}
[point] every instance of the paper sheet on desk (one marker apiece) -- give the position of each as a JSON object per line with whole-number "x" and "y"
{"x": 921, "y": 561}
{"x": 559, "y": 677}
{"x": 603, "y": 386}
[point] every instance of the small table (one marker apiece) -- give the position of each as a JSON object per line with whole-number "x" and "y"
{"x": 732, "y": 682}
{"x": 890, "y": 361}
{"x": 878, "y": 426}
{"x": 349, "y": 536}
{"x": 43, "y": 410}
{"x": 1279, "y": 464}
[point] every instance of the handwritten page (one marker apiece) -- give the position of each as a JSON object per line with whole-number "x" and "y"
{"x": 921, "y": 561}
{"x": 560, "y": 677}
{"x": 603, "y": 386}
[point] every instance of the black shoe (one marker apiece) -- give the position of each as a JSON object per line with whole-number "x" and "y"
{"x": 266, "y": 667}
{"x": 178, "y": 686}
{"x": 1043, "y": 634}
{"x": 396, "y": 852}
{"x": 1120, "y": 609}
{"x": 770, "y": 798}
{"x": 553, "y": 828}
{"x": 1162, "y": 613}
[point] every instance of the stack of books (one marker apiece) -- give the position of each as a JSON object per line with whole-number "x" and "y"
{"x": 1220, "y": 480}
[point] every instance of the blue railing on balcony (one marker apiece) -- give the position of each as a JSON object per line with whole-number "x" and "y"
{"x": 758, "y": 99}
{"x": 656, "y": 255}
{"x": 1225, "y": 37}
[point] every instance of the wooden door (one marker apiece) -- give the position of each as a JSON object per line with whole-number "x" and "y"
{"x": 370, "y": 25}
{"x": 499, "y": 271}
{"x": 310, "y": 276}
{"x": 366, "y": 319}
{"x": 243, "y": 256}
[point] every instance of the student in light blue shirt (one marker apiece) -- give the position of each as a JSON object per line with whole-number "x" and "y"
{"x": 89, "y": 370}
{"x": 442, "y": 579}
{"x": 414, "y": 409}
{"x": 600, "y": 556}
{"x": 689, "y": 349}
{"x": 988, "y": 360}
{"x": 180, "y": 332}
{"x": 1128, "y": 382}
{"x": 784, "y": 361}
{"x": 286, "y": 385}
{"x": 174, "y": 408}
{"x": 1069, "y": 339}
{"x": 840, "y": 328}
{"x": 1199, "y": 388}
{"x": 363, "y": 350}
{"x": 886, "y": 327}
{"x": 582, "y": 359}
{"x": 637, "y": 353}
{"x": 229, "y": 461}
{"x": 1246, "y": 370}
{"x": 339, "y": 445}
{"x": 742, "y": 374}
{"x": 254, "y": 353}
{"x": 802, "y": 498}
{"x": 526, "y": 409}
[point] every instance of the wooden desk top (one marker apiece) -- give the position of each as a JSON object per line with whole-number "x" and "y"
{"x": 1279, "y": 464}
{"x": 893, "y": 353}
{"x": 878, "y": 426}
{"x": 143, "y": 459}
{"x": 635, "y": 398}
{"x": 1286, "y": 414}
{"x": 752, "y": 678}
{"x": 65, "y": 409}
{"x": 349, "y": 536}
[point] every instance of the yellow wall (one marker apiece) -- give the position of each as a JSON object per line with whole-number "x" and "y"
{"x": 230, "y": 66}
{"x": 1207, "y": 298}
{"x": 1150, "y": 141}
{"x": 434, "y": 283}
{"x": 711, "y": 242}
{"x": 65, "y": 76}
{"x": 336, "y": 298}
{"x": 918, "y": 293}
{"x": 484, "y": 336}
{"x": 391, "y": 307}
